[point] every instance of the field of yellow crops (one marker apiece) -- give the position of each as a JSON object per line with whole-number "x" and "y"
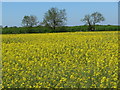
{"x": 60, "y": 60}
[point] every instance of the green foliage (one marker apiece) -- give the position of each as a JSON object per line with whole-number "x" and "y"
{"x": 29, "y": 21}
{"x": 92, "y": 19}
{"x": 42, "y": 29}
{"x": 54, "y": 18}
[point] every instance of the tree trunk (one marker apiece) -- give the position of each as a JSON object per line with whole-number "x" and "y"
{"x": 54, "y": 24}
{"x": 94, "y": 27}
{"x": 90, "y": 26}
{"x": 54, "y": 27}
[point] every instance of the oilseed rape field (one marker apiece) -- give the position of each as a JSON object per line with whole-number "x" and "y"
{"x": 60, "y": 60}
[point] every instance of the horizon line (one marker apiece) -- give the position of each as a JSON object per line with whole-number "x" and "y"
{"x": 64, "y": 25}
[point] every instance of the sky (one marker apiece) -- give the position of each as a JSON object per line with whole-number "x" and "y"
{"x": 60, "y": 0}
{"x": 0, "y": 13}
{"x": 13, "y": 12}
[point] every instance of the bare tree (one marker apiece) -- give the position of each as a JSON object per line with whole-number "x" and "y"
{"x": 54, "y": 18}
{"x": 29, "y": 21}
{"x": 88, "y": 21}
{"x": 92, "y": 19}
{"x": 97, "y": 18}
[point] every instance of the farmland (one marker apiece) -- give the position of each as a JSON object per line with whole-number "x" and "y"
{"x": 60, "y": 60}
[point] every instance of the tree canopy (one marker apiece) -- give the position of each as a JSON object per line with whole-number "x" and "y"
{"x": 92, "y": 19}
{"x": 54, "y": 18}
{"x": 29, "y": 21}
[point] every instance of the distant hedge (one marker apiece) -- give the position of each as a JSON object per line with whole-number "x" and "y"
{"x": 42, "y": 29}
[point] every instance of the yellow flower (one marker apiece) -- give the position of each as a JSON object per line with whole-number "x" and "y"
{"x": 70, "y": 59}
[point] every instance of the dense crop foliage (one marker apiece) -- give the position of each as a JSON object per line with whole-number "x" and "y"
{"x": 69, "y": 60}
{"x": 42, "y": 29}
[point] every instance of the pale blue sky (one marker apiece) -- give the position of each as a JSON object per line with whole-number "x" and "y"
{"x": 13, "y": 12}
{"x": 0, "y": 13}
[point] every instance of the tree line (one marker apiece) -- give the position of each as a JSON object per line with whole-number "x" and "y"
{"x": 56, "y": 18}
